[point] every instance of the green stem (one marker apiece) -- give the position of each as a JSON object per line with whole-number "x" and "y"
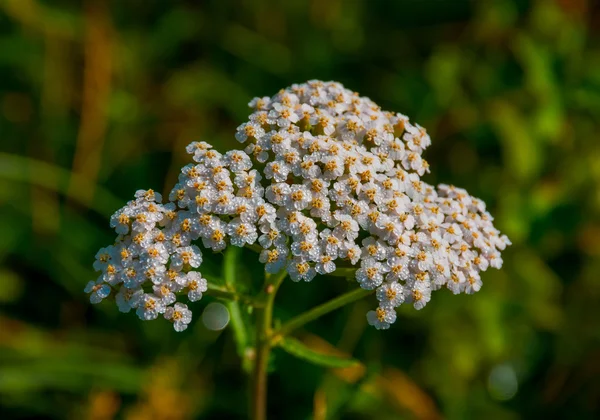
{"x": 318, "y": 311}
{"x": 343, "y": 272}
{"x": 230, "y": 265}
{"x": 264, "y": 320}
{"x": 254, "y": 247}
{"x": 225, "y": 293}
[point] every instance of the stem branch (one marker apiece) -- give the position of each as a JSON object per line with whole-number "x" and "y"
{"x": 318, "y": 311}
{"x": 227, "y": 294}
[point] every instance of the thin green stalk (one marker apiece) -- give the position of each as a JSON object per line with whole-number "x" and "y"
{"x": 226, "y": 293}
{"x": 318, "y": 311}
{"x": 233, "y": 306}
{"x": 254, "y": 247}
{"x": 264, "y": 320}
{"x": 343, "y": 272}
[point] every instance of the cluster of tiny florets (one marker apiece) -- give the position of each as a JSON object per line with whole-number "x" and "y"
{"x": 327, "y": 180}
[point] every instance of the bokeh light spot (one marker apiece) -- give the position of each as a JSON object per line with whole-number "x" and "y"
{"x": 215, "y": 316}
{"x": 502, "y": 382}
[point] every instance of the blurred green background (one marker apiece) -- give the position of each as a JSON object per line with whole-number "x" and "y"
{"x": 99, "y": 98}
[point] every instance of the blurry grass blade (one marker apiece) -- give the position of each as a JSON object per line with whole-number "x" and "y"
{"x": 298, "y": 349}
{"x": 394, "y": 386}
{"x": 55, "y": 178}
{"x": 403, "y": 393}
{"x": 67, "y": 375}
{"x": 98, "y": 63}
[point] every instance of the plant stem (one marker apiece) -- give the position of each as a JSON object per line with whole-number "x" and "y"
{"x": 264, "y": 319}
{"x": 225, "y": 293}
{"x": 318, "y": 311}
{"x": 230, "y": 266}
{"x": 343, "y": 272}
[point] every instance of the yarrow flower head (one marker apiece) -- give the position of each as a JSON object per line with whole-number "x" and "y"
{"x": 326, "y": 180}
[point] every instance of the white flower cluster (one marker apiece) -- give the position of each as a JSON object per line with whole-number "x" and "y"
{"x": 150, "y": 262}
{"x": 327, "y": 180}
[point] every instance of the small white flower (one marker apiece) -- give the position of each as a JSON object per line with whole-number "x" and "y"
{"x": 142, "y": 222}
{"x": 98, "y": 290}
{"x": 420, "y": 294}
{"x": 382, "y": 317}
{"x": 215, "y": 238}
{"x": 121, "y": 221}
{"x": 155, "y": 254}
{"x": 390, "y": 294}
{"x": 238, "y": 161}
{"x": 277, "y": 193}
{"x": 373, "y": 249}
{"x": 308, "y": 168}
{"x": 306, "y": 248}
{"x": 423, "y": 260}
{"x": 274, "y": 259}
{"x": 155, "y": 273}
{"x": 103, "y": 258}
{"x": 187, "y": 256}
{"x": 325, "y": 264}
{"x": 320, "y": 208}
{"x": 283, "y": 115}
{"x": 150, "y": 307}
{"x": 277, "y": 170}
{"x": 298, "y": 225}
{"x": 389, "y": 230}
{"x": 164, "y": 292}
{"x": 333, "y": 167}
{"x": 495, "y": 260}
{"x": 298, "y": 198}
{"x": 128, "y": 299}
{"x": 180, "y": 315}
{"x": 440, "y": 273}
{"x": 329, "y": 242}
{"x": 148, "y": 195}
{"x": 249, "y": 130}
{"x": 241, "y": 233}
{"x": 350, "y": 251}
{"x": 260, "y": 103}
{"x": 271, "y": 236}
{"x": 265, "y": 212}
{"x": 195, "y": 285}
{"x": 132, "y": 276}
{"x": 452, "y": 232}
{"x": 197, "y": 147}
{"x": 457, "y": 281}
{"x": 473, "y": 284}
{"x": 347, "y": 228}
{"x": 398, "y": 268}
{"x": 299, "y": 269}
{"x": 370, "y": 274}
{"x": 211, "y": 159}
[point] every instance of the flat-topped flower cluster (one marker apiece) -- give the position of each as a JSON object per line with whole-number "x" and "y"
{"x": 327, "y": 181}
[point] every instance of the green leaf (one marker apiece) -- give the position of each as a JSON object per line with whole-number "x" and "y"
{"x": 298, "y": 349}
